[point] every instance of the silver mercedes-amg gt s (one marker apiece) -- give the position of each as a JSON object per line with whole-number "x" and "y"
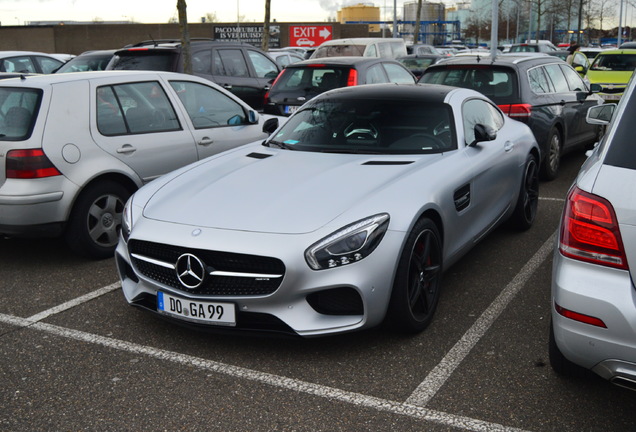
{"x": 346, "y": 215}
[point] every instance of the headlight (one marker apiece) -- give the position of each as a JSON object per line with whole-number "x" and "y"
{"x": 349, "y": 244}
{"x": 127, "y": 220}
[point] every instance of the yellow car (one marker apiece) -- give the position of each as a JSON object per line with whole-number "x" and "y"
{"x": 610, "y": 71}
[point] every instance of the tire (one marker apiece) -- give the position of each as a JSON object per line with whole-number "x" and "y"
{"x": 95, "y": 222}
{"x": 561, "y": 365}
{"x": 528, "y": 201}
{"x": 417, "y": 284}
{"x": 552, "y": 160}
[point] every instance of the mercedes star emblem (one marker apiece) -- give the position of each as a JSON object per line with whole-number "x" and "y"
{"x": 190, "y": 271}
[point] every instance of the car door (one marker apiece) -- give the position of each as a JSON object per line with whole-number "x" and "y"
{"x": 217, "y": 121}
{"x": 137, "y": 123}
{"x": 265, "y": 71}
{"x": 491, "y": 165}
{"x": 587, "y": 132}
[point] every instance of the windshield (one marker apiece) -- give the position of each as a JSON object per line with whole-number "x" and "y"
{"x": 18, "y": 111}
{"x": 374, "y": 126}
{"x": 614, "y": 62}
{"x": 86, "y": 63}
{"x": 339, "y": 51}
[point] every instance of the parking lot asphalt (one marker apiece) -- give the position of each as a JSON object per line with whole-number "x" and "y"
{"x": 74, "y": 356}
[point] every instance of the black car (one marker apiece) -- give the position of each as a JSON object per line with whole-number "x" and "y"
{"x": 304, "y": 80}
{"x": 240, "y": 68}
{"x": 88, "y": 61}
{"x": 417, "y": 63}
{"x": 542, "y": 91}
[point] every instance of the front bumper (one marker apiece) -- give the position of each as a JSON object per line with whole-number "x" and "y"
{"x": 299, "y": 304}
{"x": 604, "y": 293}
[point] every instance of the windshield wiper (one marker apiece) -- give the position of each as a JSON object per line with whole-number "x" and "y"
{"x": 279, "y": 144}
{"x": 351, "y": 151}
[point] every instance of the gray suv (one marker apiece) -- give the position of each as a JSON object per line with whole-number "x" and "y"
{"x": 240, "y": 68}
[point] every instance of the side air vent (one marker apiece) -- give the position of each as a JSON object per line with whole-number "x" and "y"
{"x": 388, "y": 163}
{"x": 259, "y": 155}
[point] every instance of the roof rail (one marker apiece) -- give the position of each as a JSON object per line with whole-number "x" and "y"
{"x": 158, "y": 41}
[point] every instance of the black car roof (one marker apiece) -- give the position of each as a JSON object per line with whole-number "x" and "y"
{"x": 501, "y": 60}
{"x": 433, "y": 93}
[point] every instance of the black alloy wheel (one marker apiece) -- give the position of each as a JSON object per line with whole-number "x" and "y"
{"x": 552, "y": 161}
{"x": 528, "y": 201}
{"x": 417, "y": 285}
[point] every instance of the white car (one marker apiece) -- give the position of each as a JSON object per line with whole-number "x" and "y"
{"x": 76, "y": 146}
{"x": 29, "y": 62}
{"x": 348, "y": 214}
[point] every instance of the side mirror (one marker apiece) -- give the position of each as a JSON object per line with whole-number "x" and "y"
{"x": 483, "y": 133}
{"x": 595, "y": 88}
{"x": 600, "y": 114}
{"x": 581, "y": 96}
{"x": 270, "y": 125}
{"x": 252, "y": 117}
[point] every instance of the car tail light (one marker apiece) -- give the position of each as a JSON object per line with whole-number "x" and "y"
{"x": 587, "y": 319}
{"x": 521, "y": 112}
{"x": 590, "y": 232}
{"x": 352, "y": 80}
{"x": 29, "y": 164}
{"x": 266, "y": 97}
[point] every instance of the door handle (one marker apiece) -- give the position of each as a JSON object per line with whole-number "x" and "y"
{"x": 126, "y": 149}
{"x": 227, "y": 86}
{"x": 508, "y": 146}
{"x": 205, "y": 141}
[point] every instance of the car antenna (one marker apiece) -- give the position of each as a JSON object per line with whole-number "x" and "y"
{"x": 152, "y": 39}
{"x": 22, "y": 77}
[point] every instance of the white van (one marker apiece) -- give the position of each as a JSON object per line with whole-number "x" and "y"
{"x": 362, "y": 47}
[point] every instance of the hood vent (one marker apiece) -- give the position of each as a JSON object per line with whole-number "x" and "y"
{"x": 388, "y": 163}
{"x": 259, "y": 155}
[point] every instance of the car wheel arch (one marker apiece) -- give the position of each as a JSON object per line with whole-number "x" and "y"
{"x": 130, "y": 184}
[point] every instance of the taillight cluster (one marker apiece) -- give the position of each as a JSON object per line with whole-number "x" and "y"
{"x": 521, "y": 112}
{"x": 352, "y": 79}
{"x": 266, "y": 97}
{"x": 590, "y": 232}
{"x": 29, "y": 164}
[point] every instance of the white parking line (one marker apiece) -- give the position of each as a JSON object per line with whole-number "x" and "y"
{"x": 438, "y": 376}
{"x": 291, "y": 384}
{"x": 75, "y": 302}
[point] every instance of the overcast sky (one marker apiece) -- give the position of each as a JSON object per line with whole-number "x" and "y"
{"x": 20, "y": 12}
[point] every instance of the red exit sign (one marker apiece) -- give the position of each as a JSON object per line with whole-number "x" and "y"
{"x": 309, "y": 36}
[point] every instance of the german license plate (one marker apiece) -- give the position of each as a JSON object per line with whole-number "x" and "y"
{"x": 197, "y": 311}
{"x": 290, "y": 109}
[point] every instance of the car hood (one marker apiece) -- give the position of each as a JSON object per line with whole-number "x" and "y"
{"x": 276, "y": 191}
{"x": 609, "y": 77}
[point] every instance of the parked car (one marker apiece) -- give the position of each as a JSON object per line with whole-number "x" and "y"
{"x": 88, "y": 61}
{"x": 534, "y": 46}
{"x": 422, "y": 49}
{"x": 304, "y": 80}
{"x": 242, "y": 69}
{"x": 75, "y": 146}
{"x": 364, "y": 196}
{"x": 591, "y": 52}
{"x": 364, "y": 47}
{"x": 285, "y": 57}
{"x": 629, "y": 44}
{"x": 542, "y": 91}
{"x": 417, "y": 63}
{"x": 593, "y": 309}
{"x": 611, "y": 70}
{"x": 28, "y": 62}
{"x": 580, "y": 62}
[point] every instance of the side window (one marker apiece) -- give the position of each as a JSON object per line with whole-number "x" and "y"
{"x": 142, "y": 107}
{"x": 202, "y": 62}
{"x": 371, "y": 51}
{"x": 558, "y": 79}
{"x": 230, "y": 62}
{"x": 538, "y": 81}
{"x": 477, "y": 111}
{"x": 375, "y": 75}
{"x": 48, "y": 65}
{"x": 208, "y": 107}
{"x": 385, "y": 50}
{"x": 264, "y": 67}
{"x": 397, "y": 74}
{"x": 575, "y": 83}
{"x": 18, "y": 64}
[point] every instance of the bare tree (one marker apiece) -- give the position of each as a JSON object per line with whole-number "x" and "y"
{"x": 416, "y": 30}
{"x": 185, "y": 36}
{"x": 265, "y": 42}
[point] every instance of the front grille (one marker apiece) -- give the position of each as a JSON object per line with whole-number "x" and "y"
{"x": 149, "y": 257}
{"x": 613, "y": 90}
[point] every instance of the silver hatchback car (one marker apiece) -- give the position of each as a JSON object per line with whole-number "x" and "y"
{"x": 593, "y": 287}
{"x": 74, "y": 147}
